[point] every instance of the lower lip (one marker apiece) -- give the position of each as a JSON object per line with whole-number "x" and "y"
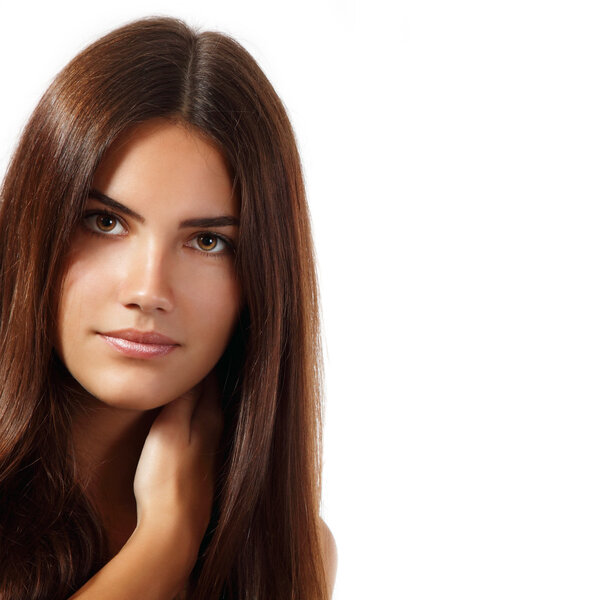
{"x": 137, "y": 349}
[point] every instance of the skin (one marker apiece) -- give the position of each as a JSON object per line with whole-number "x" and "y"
{"x": 151, "y": 426}
{"x": 150, "y": 273}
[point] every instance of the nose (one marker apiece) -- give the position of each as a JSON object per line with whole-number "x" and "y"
{"x": 146, "y": 283}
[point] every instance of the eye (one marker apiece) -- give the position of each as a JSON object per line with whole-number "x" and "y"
{"x": 210, "y": 243}
{"x": 103, "y": 223}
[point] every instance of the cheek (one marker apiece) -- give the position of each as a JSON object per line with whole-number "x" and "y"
{"x": 214, "y": 308}
{"x": 81, "y": 289}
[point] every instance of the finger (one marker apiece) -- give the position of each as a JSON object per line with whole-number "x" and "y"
{"x": 207, "y": 420}
{"x": 179, "y": 411}
{"x": 210, "y": 396}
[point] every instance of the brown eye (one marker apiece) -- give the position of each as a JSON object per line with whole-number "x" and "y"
{"x": 207, "y": 242}
{"x": 211, "y": 243}
{"x": 105, "y": 223}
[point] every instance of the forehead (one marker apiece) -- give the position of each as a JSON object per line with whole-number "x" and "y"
{"x": 164, "y": 161}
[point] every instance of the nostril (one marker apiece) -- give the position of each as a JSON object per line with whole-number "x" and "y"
{"x": 145, "y": 301}
{"x": 160, "y": 305}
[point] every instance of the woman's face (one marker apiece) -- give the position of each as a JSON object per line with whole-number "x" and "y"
{"x": 150, "y": 297}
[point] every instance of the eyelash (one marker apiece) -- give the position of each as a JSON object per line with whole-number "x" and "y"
{"x": 229, "y": 245}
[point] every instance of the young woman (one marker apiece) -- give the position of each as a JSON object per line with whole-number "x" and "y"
{"x": 160, "y": 406}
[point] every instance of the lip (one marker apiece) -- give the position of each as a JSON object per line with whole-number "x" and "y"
{"x": 141, "y": 337}
{"x": 139, "y": 344}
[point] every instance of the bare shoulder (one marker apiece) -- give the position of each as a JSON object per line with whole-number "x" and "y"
{"x": 330, "y": 555}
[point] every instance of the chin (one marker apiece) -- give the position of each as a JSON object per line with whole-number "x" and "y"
{"x": 136, "y": 396}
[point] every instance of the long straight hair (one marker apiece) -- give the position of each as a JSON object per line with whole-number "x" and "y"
{"x": 264, "y": 540}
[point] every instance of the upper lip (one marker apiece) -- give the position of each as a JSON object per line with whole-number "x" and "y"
{"x": 141, "y": 337}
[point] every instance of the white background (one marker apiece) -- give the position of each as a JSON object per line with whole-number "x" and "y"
{"x": 451, "y": 152}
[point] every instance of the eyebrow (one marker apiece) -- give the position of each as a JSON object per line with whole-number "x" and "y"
{"x": 222, "y": 221}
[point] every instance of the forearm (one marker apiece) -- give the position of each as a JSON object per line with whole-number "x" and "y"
{"x": 154, "y": 564}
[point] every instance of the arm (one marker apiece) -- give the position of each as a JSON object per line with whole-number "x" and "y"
{"x": 172, "y": 513}
{"x": 329, "y": 556}
{"x": 152, "y": 565}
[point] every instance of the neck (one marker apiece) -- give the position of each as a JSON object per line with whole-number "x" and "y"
{"x": 108, "y": 442}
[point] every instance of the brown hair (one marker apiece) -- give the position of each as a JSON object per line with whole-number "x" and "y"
{"x": 264, "y": 538}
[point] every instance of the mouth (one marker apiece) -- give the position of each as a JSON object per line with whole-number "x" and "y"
{"x": 139, "y": 344}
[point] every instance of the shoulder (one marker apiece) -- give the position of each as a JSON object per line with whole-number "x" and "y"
{"x": 329, "y": 554}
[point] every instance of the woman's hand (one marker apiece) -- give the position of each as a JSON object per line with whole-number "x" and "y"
{"x": 174, "y": 480}
{"x": 173, "y": 486}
